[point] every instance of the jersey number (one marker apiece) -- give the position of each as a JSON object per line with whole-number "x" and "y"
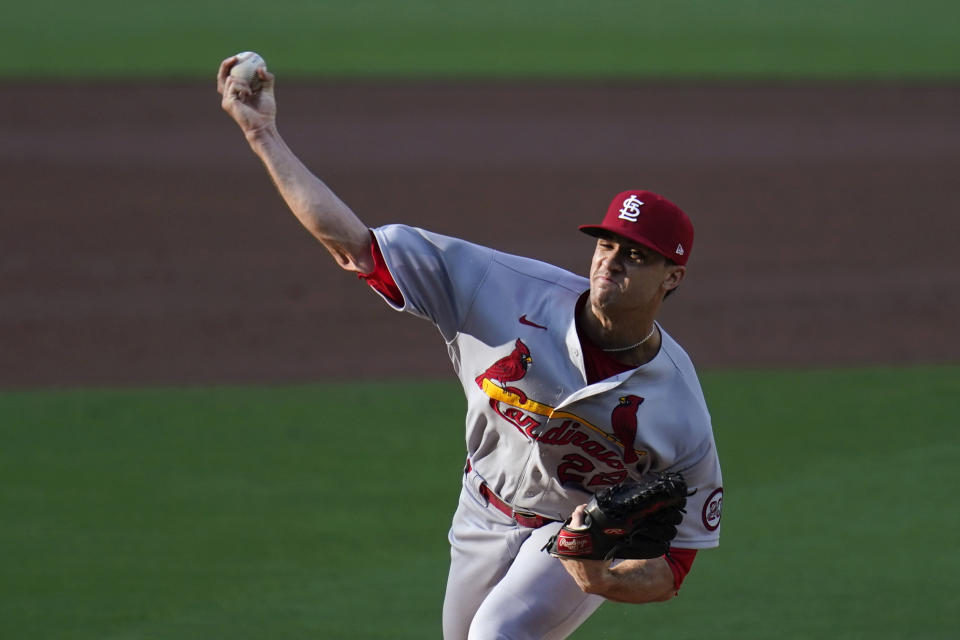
{"x": 575, "y": 464}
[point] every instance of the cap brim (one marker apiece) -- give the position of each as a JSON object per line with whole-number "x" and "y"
{"x": 593, "y": 230}
{"x": 598, "y": 231}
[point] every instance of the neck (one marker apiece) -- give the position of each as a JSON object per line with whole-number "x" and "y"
{"x": 612, "y": 332}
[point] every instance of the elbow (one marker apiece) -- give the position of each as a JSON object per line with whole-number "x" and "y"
{"x": 355, "y": 257}
{"x": 594, "y": 589}
{"x": 670, "y": 594}
{"x": 348, "y": 262}
{"x": 666, "y": 589}
{"x": 649, "y": 597}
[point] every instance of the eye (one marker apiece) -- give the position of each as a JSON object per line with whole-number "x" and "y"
{"x": 637, "y": 256}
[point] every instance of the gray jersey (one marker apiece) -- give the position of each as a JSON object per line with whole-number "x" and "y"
{"x": 536, "y": 433}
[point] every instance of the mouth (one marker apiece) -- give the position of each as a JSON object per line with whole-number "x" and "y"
{"x": 603, "y": 279}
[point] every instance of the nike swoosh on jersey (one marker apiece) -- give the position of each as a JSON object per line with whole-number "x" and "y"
{"x": 523, "y": 320}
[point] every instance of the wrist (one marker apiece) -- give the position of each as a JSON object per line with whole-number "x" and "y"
{"x": 263, "y": 135}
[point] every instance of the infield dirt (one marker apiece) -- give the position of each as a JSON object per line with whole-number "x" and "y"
{"x": 142, "y": 243}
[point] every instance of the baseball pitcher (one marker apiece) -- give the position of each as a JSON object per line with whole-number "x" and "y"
{"x": 591, "y": 472}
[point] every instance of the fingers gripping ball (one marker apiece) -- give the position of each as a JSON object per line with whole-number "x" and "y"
{"x": 630, "y": 520}
{"x": 245, "y": 70}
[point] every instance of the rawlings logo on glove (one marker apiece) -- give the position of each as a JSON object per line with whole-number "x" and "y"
{"x": 630, "y": 520}
{"x": 570, "y": 543}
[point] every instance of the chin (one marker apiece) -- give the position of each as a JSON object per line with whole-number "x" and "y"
{"x": 603, "y": 299}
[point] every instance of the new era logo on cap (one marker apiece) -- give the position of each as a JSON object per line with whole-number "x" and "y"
{"x": 649, "y": 219}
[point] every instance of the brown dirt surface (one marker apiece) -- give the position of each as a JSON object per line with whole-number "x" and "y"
{"x": 141, "y": 242}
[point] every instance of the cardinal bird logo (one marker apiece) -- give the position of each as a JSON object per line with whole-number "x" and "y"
{"x": 509, "y": 369}
{"x": 624, "y": 422}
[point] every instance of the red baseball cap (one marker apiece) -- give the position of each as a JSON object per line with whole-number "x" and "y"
{"x": 649, "y": 219}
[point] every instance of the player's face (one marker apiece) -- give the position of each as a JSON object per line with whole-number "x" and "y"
{"x": 629, "y": 275}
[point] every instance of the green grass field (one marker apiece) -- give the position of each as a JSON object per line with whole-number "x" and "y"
{"x": 321, "y": 511}
{"x": 849, "y": 40}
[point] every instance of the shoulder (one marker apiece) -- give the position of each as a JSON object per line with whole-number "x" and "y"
{"x": 396, "y": 240}
{"x": 680, "y": 365}
{"x": 539, "y": 273}
{"x": 675, "y": 397}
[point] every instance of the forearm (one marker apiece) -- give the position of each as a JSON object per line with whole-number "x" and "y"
{"x": 640, "y": 581}
{"x": 317, "y": 208}
{"x": 631, "y": 581}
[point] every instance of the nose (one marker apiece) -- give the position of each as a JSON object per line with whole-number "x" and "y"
{"x": 611, "y": 261}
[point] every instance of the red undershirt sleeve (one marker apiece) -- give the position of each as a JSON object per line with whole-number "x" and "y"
{"x": 380, "y": 278}
{"x": 680, "y": 561}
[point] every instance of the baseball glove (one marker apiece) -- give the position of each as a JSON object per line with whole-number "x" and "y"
{"x": 630, "y": 520}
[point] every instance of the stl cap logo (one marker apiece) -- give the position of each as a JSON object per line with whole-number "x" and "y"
{"x": 679, "y": 249}
{"x": 630, "y": 210}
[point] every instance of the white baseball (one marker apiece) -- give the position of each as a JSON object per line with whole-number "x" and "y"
{"x": 245, "y": 69}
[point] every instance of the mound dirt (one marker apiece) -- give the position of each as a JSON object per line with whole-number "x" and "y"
{"x": 142, "y": 243}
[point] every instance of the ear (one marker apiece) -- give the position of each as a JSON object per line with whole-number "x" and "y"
{"x": 675, "y": 275}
